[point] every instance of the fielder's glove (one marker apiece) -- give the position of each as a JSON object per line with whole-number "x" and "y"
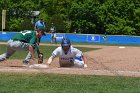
{"x": 40, "y": 58}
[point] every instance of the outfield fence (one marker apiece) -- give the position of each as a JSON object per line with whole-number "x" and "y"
{"x": 83, "y": 38}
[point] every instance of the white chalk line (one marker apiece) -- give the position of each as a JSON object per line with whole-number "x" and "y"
{"x": 69, "y": 71}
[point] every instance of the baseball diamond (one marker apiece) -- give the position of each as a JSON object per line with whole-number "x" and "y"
{"x": 109, "y": 60}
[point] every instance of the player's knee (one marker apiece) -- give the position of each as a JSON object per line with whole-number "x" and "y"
{"x": 78, "y": 63}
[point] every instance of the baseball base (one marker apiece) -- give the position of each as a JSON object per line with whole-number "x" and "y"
{"x": 38, "y": 66}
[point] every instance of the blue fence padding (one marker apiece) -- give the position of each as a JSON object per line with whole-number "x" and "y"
{"x": 47, "y": 38}
{"x": 123, "y": 39}
{"x": 76, "y": 37}
{"x": 6, "y": 35}
{"x": 87, "y": 38}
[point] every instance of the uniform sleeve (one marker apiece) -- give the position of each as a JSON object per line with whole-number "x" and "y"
{"x": 78, "y": 53}
{"x": 56, "y": 52}
{"x": 33, "y": 41}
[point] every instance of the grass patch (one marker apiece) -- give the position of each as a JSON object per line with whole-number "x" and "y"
{"x": 54, "y": 83}
{"x": 46, "y": 50}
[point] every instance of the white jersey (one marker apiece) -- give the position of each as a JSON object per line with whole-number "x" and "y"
{"x": 69, "y": 57}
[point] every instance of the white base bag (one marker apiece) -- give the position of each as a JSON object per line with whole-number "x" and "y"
{"x": 38, "y": 66}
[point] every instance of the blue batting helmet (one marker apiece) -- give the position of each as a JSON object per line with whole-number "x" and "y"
{"x": 65, "y": 42}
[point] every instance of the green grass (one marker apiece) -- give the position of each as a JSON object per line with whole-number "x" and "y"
{"x": 46, "y": 50}
{"x": 54, "y": 83}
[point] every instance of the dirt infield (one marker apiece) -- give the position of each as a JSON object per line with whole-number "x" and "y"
{"x": 109, "y": 60}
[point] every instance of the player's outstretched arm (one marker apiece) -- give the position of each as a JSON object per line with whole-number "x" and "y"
{"x": 50, "y": 60}
{"x": 85, "y": 60}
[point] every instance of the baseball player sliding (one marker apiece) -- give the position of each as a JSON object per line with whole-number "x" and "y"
{"x": 68, "y": 55}
{"x": 25, "y": 40}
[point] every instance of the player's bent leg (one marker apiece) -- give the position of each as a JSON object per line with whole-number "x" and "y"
{"x": 66, "y": 64}
{"x": 10, "y": 52}
{"x": 3, "y": 57}
{"x": 18, "y": 45}
{"x": 55, "y": 40}
{"x": 51, "y": 38}
{"x": 6, "y": 55}
{"x": 78, "y": 63}
{"x": 27, "y": 59}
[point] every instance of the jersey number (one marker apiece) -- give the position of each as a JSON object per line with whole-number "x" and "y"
{"x": 25, "y": 32}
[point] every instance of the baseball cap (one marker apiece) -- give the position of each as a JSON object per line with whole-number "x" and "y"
{"x": 42, "y": 29}
{"x": 65, "y": 42}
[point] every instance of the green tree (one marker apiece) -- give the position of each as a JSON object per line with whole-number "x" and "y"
{"x": 118, "y": 16}
{"x": 57, "y": 12}
{"x": 83, "y": 16}
{"x": 17, "y": 13}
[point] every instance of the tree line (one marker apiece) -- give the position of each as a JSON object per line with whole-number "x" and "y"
{"x": 114, "y": 17}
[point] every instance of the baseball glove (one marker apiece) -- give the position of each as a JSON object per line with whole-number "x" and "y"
{"x": 40, "y": 58}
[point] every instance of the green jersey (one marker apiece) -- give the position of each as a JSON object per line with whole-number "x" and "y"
{"x": 26, "y": 36}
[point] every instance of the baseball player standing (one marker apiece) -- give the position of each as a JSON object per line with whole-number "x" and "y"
{"x": 53, "y": 33}
{"x": 25, "y": 40}
{"x": 68, "y": 55}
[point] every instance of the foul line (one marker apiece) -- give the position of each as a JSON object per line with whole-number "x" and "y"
{"x": 92, "y": 72}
